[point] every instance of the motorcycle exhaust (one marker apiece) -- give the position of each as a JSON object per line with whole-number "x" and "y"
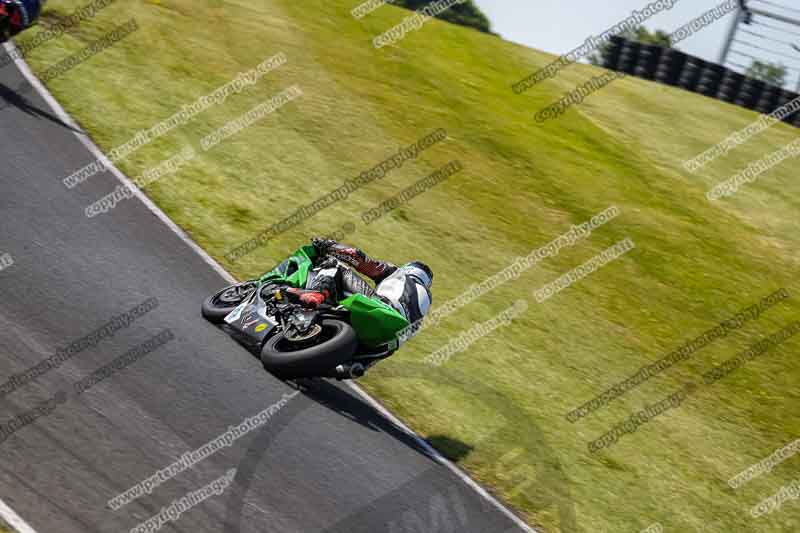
{"x": 349, "y": 371}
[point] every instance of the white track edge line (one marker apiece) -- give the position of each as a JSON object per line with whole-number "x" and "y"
{"x": 99, "y": 155}
{"x": 442, "y": 459}
{"x": 14, "y": 520}
{"x": 95, "y": 151}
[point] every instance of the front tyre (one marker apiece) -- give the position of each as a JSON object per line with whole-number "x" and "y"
{"x": 217, "y": 306}
{"x": 336, "y": 343}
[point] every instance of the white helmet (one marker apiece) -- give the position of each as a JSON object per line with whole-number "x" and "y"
{"x": 419, "y": 271}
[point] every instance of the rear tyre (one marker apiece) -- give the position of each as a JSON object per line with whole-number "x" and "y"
{"x": 216, "y": 307}
{"x": 334, "y": 345}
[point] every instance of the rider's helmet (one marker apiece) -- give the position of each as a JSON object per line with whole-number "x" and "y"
{"x": 420, "y": 272}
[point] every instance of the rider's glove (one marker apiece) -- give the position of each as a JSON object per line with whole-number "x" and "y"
{"x": 323, "y": 245}
{"x": 312, "y": 299}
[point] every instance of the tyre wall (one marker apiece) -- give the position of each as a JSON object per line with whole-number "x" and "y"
{"x": 673, "y": 67}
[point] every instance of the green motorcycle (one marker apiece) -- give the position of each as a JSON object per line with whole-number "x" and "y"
{"x": 339, "y": 341}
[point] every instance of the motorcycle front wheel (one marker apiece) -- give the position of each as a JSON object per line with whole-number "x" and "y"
{"x": 217, "y": 306}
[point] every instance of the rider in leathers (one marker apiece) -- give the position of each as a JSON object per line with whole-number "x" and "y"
{"x": 406, "y": 288}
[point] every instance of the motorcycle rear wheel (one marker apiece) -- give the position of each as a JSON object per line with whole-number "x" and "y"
{"x": 335, "y": 345}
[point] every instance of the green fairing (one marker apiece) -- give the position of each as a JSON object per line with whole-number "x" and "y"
{"x": 298, "y": 266}
{"x": 375, "y": 322}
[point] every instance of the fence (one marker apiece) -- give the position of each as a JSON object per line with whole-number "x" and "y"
{"x": 673, "y": 67}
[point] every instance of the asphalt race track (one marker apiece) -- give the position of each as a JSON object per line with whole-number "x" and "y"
{"x": 326, "y": 461}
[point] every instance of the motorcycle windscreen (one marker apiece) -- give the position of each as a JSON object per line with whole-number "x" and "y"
{"x": 294, "y": 270}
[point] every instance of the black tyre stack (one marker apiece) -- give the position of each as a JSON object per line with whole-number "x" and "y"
{"x": 612, "y": 52}
{"x": 785, "y": 98}
{"x": 750, "y": 93}
{"x": 690, "y": 76}
{"x": 710, "y": 79}
{"x": 769, "y": 99}
{"x": 670, "y": 66}
{"x": 628, "y": 57}
{"x": 794, "y": 119}
{"x": 647, "y": 63}
{"x": 730, "y": 86}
